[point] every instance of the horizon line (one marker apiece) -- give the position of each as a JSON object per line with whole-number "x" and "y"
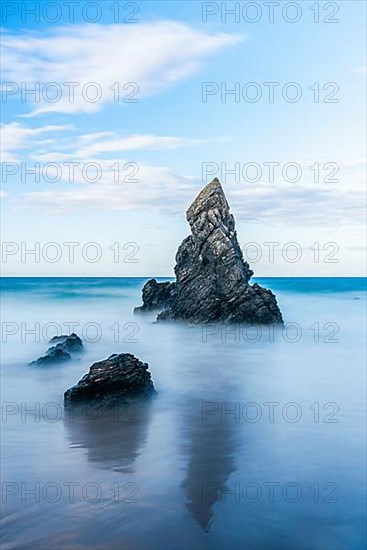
{"x": 169, "y": 277}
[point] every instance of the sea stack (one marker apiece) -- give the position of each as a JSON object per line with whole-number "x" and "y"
{"x": 212, "y": 279}
{"x": 65, "y": 347}
{"x": 119, "y": 378}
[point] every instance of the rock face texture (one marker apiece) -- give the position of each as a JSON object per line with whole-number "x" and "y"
{"x": 117, "y": 378}
{"x": 212, "y": 279}
{"x": 53, "y": 356}
{"x": 72, "y": 343}
{"x": 155, "y": 296}
{"x": 65, "y": 346}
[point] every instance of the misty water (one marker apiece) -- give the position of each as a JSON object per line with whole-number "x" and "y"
{"x": 256, "y": 438}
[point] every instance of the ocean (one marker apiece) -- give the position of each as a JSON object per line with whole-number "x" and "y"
{"x": 256, "y": 438}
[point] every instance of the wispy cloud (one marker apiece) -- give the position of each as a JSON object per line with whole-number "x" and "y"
{"x": 304, "y": 205}
{"x": 153, "y": 55}
{"x": 92, "y": 144}
{"x": 40, "y": 143}
{"x": 16, "y": 139}
{"x": 159, "y": 189}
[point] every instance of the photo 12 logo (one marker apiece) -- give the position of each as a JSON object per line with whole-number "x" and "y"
{"x": 69, "y": 92}
{"x": 70, "y": 252}
{"x": 269, "y": 12}
{"x": 291, "y": 332}
{"x": 271, "y": 491}
{"x": 270, "y": 172}
{"x": 269, "y": 92}
{"x": 71, "y": 491}
{"x": 269, "y": 411}
{"x": 70, "y": 172}
{"x": 102, "y": 11}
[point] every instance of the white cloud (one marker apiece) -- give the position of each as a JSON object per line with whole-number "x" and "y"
{"x": 301, "y": 205}
{"x": 156, "y": 189}
{"x": 152, "y": 55}
{"x": 20, "y": 142}
{"x": 16, "y": 138}
{"x": 144, "y": 187}
{"x": 92, "y": 144}
{"x": 120, "y": 185}
{"x": 160, "y": 190}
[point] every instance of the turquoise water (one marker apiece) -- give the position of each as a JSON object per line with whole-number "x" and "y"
{"x": 256, "y": 438}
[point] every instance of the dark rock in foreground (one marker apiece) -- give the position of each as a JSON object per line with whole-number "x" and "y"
{"x": 65, "y": 345}
{"x": 155, "y": 296}
{"x": 118, "y": 378}
{"x": 212, "y": 279}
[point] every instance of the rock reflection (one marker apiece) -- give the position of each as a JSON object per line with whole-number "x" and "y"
{"x": 211, "y": 450}
{"x": 112, "y": 438}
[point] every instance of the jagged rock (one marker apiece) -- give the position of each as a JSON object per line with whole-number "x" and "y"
{"x": 53, "y": 355}
{"x": 155, "y": 296}
{"x": 65, "y": 346}
{"x": 117, "y": 378}
{"x": 71, "y": 344}
{"x": 212, "y": 279}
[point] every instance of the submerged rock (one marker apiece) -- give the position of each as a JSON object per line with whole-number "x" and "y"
{"x": 117, "y": 378}
{"x": 212, "y": 279}
{"x": 53, "y": 355}
{"x": 71, "y": 343}
{"x": 65, "y": 346}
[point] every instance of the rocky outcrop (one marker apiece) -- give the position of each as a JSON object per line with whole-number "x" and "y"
{"x": 52, "y": 356}
{"x": 116, "y": 379}
{"x": 71, "y": 343}
{"x": 212, "y": 279}
{"x": 155, "y": 296}
{"x": 62, "y": 352}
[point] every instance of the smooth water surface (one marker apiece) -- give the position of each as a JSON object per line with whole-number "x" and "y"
{"x": 256, "y": 438}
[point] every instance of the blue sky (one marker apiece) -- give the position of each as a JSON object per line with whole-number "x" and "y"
{"x": 169, "y": 132}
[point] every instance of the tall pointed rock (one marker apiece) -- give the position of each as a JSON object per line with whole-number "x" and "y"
{"x": 212, "y": 279}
